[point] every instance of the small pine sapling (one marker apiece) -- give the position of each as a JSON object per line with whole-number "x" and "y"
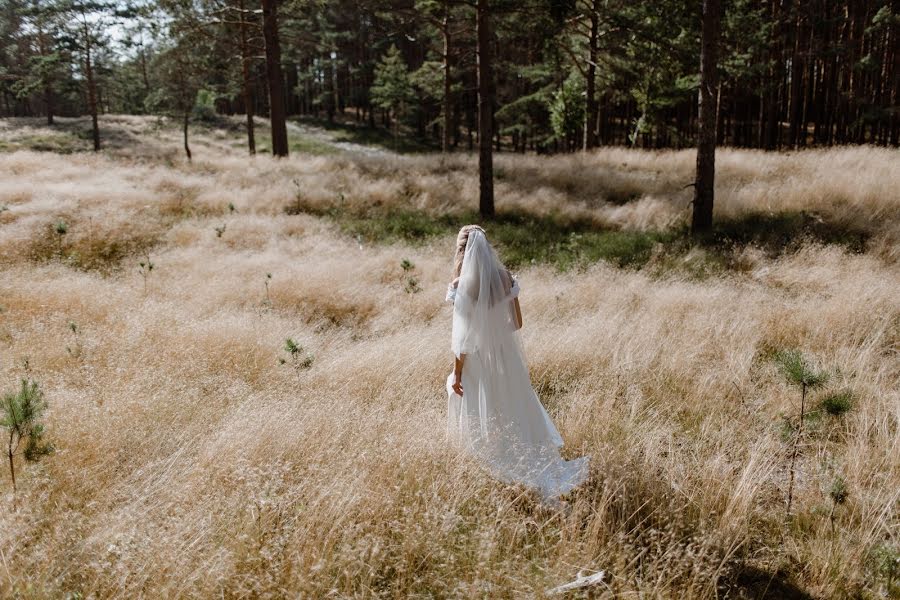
{"x": 75, "y": 348}
{"x": 295, "y": 354}
{"x": 883, "y": 562}
{"x": 145, "y": 267}
{"x": 838, "y": 494}
{"x": 268, "y": 300}
{"x": 61, "y": 228}
{"x": 231, "y": 208}
{"x": 20, "y": 415}
{"x": 797, "y": 371}
{"x": 220, "y": 230}
{"x": 411, "y": 283}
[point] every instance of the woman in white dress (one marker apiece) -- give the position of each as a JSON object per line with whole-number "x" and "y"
{"x": 492, "y": 408}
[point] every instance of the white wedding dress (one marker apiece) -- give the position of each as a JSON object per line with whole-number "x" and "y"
{"x": 499, "y": 417}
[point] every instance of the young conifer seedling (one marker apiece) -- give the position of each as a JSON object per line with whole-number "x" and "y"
{"x": 61, "y": 228}
{"x": 411, "y": 283}
{"x": 145, "y": 267}
{"x": 797, "y": 371}
{"x": 268, "y": 300}
{"x": 75, "y": 348}
{"x": 295, "y": 354}
{"x": 838, "y": 494}
{"x": 20, "y": 415}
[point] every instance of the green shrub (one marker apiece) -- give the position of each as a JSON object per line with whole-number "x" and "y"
{"x": 838, "y": 403}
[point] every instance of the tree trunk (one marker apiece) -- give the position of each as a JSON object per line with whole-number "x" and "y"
{"x": 187, "y": 120}
{"x": 275, "y": 79}
{"x": 796, "y": 102}
{"x": 12, "y": 470}
{"x": 706, "y": 136}
{"x": 91, "y": 84}
{"x": 485, "y": 111}
{"x": 335, "y": 103}
{"x": 247, "y": 87}
{"x": 590, "y": 116}
{"x": 445, "y": 135}
{"x": 48, "y": 85}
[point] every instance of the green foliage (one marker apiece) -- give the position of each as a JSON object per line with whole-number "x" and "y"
{"x": 291, "y": 347}
{"x": 411, "y": 282}
{"x": 393, "y": 89}
{"x": 567, "y": 110}
{"x": 838, "y": 491}
{"x": 298, "y": 361}
{"x": 521, "y": 238}
{"x": 412, "y": 286}
{"x": 883, "y": 562}
{"x": 20, "y": 414}
{"x": 205, "y": 106}
{"x": 797, "y": 370}
{"x": 837, "y": 403}
{"x": 61, "y": 228}
{"x": 298, "y": 144}
{"x": 429, "y": 78}
{"x": 220, "y": 230}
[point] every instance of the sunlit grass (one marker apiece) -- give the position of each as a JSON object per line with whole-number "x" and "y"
{"x": 199, "y": 454}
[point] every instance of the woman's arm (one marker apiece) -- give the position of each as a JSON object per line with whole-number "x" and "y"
{"x": 457, "y": 374}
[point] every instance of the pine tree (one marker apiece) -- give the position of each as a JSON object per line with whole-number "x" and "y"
{"x": 20, "y": 415}
{"x": 392, "y": 90}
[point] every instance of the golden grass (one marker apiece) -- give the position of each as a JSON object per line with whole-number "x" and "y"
{"x": 190, "y": 463}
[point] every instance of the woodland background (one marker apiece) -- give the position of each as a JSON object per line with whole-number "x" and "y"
{"x": 569, "y": 74}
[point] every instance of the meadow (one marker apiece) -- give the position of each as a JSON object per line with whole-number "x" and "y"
{"x": 196, "y": 456}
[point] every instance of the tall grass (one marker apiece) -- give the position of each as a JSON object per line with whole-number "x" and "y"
{"x": 190, "y": 463}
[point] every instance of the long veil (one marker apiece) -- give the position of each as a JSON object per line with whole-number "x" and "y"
{"x": 480, "y": 315}
{"x": 499, "y": 416}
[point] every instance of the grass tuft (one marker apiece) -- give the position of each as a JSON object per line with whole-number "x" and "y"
{"x": 838, "y": 403}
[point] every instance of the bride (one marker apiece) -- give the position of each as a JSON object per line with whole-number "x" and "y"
{"x": 492, "y": 408}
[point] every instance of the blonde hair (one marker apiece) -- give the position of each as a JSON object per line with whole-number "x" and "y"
{"x": 461, "y": 240}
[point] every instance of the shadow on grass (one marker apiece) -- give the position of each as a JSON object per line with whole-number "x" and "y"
{"x": 751, "y": 583}
{"x": 362, "y": 134}
{"x": 565, "y": 242}
{"x": 777, "y": 233}
{"x": 521, "y": 238}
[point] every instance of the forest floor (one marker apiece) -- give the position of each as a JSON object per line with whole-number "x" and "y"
{"x": 196, "y": 457}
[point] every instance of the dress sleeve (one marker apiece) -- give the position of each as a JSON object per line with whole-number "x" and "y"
{"x": 451, "y": 294}
{"x": 514, "y": 290}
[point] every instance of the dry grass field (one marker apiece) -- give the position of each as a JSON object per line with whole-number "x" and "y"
{"x": 191, "y": 462}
